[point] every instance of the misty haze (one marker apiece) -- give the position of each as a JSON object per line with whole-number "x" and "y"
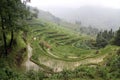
{"x": 92, "y": 15}
{"x": 97, "y": 13}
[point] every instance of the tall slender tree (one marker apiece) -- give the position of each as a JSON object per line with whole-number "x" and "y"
{"x": 12, "y": 16}
{"x": 117, "y": 38}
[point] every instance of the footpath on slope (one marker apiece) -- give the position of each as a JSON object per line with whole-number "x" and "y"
{"x": 32, "y": 66}
{"x": 94, "y": 60}
{"x": 28, "y": 63}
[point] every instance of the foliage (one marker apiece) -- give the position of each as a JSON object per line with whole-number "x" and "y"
{"x": 89, "y": 30}
{"x": 12, "y": 19}
{"x": 10, "y": 74}
{"x": 61, "y": 43}
{"x": 104, "y": 38}
{"x": 110, "y": 71}
{"x": 116, "y": 40}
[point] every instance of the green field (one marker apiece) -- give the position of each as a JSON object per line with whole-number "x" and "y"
{"x": 56, "y": 48}
{"x": 36, "y": 45}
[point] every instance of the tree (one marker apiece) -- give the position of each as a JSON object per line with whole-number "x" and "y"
{"x": 103, "y": 38}
{"x": 12, "y": 16}
{"x": 35, "y": 12}
{"x": 100, "y": 40}
{"x": 78, "y": 22}
{"x": 117, "y": 38}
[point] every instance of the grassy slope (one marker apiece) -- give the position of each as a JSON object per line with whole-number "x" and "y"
{"x": 64, "y": 53}
{"x": 16, "y": 55}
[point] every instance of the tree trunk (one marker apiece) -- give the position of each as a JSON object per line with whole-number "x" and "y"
{"x": 4, "y": 36}
{"x": 11, "y": 40}
{"x": 12, "y": 33}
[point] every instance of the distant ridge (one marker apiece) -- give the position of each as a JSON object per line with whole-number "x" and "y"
{"x": 91, "y": 15}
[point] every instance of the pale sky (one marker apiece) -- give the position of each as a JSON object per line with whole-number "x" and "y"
{"x": 46, "y": 4}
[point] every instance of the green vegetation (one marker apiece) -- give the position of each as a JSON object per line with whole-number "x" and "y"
{"x": 58, "y": 52}
{"x": 110, "y": 71}
{"x": 65, "y": 49}
{"x": 104, "y": 38}
{"x": 12, "y": 20}
{"x": 116, "y": 40}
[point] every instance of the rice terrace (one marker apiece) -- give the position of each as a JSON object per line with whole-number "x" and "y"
{"x": 59, "y": 40}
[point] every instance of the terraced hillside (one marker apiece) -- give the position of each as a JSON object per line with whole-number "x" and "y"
{"x": 55, "y": 48}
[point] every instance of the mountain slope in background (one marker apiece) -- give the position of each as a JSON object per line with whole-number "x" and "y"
{"x": 48, "y": 16}
{"x": 95, "y": 16}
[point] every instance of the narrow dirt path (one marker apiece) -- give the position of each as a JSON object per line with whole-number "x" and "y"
{"x": 95, "y": 60}
{"x": 59, "y": 67}
{"x": 88, "y": 60}
{"x": 48, "y": 51}
{"x": 29, "y": 64}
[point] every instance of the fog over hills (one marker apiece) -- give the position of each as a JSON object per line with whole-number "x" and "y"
{"x": 90, "y": 15}
{"x": 45, "y": 15}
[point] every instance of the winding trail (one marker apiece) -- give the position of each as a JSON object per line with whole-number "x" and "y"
{"x": 59, "y": 65}
{"x": 29, "y": 64}
{"x": 85, "y": 61}
{"x": 95, "y": 60}
{"x": 48, "y": 51}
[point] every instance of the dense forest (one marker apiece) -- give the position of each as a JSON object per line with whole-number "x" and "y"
{"x": 34, "y": 47}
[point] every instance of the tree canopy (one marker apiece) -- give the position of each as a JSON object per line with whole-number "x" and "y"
{"x": 104, "y": 38}
{"x": 13, "y": 14}
{"x": 117, "y": 38}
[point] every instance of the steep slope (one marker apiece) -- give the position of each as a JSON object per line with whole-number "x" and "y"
{"x": 91, "y": 15}
{"x": 29, "y": 65}
{"x": 48, "y": 17}
{"x": 56, "y": 48}
{"x": 78, "y": 27}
